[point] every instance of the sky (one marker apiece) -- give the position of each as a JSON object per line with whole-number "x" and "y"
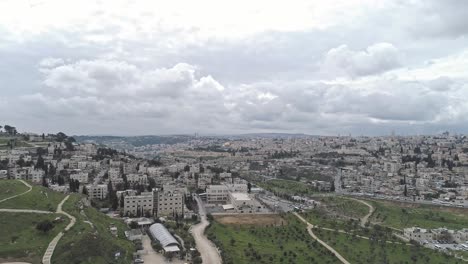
{"x": 125, "y": 67}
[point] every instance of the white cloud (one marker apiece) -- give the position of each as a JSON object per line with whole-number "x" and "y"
{"x": 375, "y": 59}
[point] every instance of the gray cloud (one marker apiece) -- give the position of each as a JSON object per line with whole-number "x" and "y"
{"x": 396, "y": 66}
{"x": 377, "y": 58}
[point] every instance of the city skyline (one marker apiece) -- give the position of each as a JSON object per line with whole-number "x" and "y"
{"x": 119, "y": 68}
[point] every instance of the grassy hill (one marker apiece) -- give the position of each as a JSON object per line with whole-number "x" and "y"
{"x": 9, "y": 188}
{"x": 21, "y": 241}
{"x": 86, "y": 242}
{"x": 39, "y": 198}
{"x": 96, "y": 240}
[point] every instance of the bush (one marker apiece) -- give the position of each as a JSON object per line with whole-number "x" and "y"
{"x": 45, "y": 226}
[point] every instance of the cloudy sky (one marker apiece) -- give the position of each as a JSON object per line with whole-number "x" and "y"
{"x": 298, "y": 66}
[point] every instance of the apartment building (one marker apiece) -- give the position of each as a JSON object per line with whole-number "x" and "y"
{"x": 97, "y": 191}
{"x": 136, "y": 205}
{"x": 169, "y": 201}
{"x": 82, "y": 177}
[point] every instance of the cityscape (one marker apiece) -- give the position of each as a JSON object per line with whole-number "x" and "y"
{"x": 233, "y": 132}
{"x": 199, "y": 198}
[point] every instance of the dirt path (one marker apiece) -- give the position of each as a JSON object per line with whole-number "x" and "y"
{"x": 208, "y": 251}
{"x": 365, "y": 219}
{"x": 46, "y": 259}
{"x": 24, "y": 211}
{"x": 14, "y": 196}
{"x": 311, "y": 233}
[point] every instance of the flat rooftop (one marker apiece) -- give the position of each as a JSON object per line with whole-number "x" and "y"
{"x": 240, "y": 196}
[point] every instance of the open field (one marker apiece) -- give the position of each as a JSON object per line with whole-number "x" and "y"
{"x": 257, "y": 220}
{"x": 401, "y": 215}
{"x": 21, "y": 241}
{"x": 321, "y": 219}
{"x": 39, "y": 198}
{"x": 96, "y": 240}
{"x": 358, "y": 250}
{"x": 344, "y": 207}
{"x": 287, "y": 187}
{"x": 9, "y": 188}
{"x": 288, "y": 243}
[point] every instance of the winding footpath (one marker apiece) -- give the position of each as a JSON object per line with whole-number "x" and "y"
{"x": 51, "y": 247}
{"x": 46, "y": 259}
{"x": 208, "y": 251}
{"x": 365, "y": 219}
{"x": 311, "y": 233}
{"x": 14, "y": 196}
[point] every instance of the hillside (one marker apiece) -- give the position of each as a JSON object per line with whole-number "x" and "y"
{"x": 21, "y": 241}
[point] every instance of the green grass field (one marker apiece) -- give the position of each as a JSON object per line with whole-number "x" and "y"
{"x": 39, "y": 198}
{"x": 21, "y": 241}
{"x": 425, "y": 216}
{"x": 358, "y": 250}
{"x": 9, "y": 188}
{"x": 97, "y": 241}
{"x": 287, "y": 187}
{"x": 268, "y": 244}
{"x": 345, "y": 207}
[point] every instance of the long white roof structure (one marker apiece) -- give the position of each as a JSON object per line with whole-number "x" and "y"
{"x": 159, "y": 232}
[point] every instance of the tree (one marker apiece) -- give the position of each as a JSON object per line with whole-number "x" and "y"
{"x": 122, "y": 201}
{"x": 45, "y": 226}
{"x": 40, "y": 163}
{"x": 133, "y": 225}
{"x": 10, "y": 130}
{"x": 60, "y": 137}
{"x": 44, "y": 181}
{"x": 85, "y": 191}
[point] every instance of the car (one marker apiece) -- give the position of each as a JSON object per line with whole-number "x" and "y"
{"x": 138, "y": 261}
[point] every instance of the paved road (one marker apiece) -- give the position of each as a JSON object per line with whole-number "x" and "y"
{"x": 309, "y": 229}
{"x": 208, "y": 251}
{"x": 14, "y": 196}
{"x": 46, "y": 259}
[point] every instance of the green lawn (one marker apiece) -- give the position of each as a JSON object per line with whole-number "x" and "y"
{"x": 98, "y": 243}
{"x": 358, "y": 250}
{"x": 287, "y": 187}
{"x": 39, "y": 198}
{"x": 274, "y": 244}
{"x": 9, "y": 188}
{"x": 19, "y": 239}
{"x": 425, "y": 216}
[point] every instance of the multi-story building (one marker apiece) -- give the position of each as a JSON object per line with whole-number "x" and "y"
{"x": 137, "y": 178}
{"x": 36, "y": 175}
{"x": 97, "y": 191}
{"x": 82, "y": 177}
{"x": 217, "y": 194}
{"x": 139, "y": 205}
{"x": 169, "y": 201}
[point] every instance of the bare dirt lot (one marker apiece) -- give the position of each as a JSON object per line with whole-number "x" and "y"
{"x": 251, "y": 219}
